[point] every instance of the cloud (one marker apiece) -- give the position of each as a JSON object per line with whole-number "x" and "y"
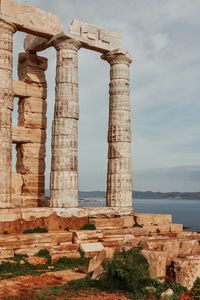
{"x": 163, "y": 39}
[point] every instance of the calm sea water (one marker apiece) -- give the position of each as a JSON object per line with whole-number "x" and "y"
{"x": 186, "y": 212}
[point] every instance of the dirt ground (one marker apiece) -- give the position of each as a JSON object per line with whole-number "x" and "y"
{"x": 24, "y": 287}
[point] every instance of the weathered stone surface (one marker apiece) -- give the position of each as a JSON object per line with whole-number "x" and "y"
{"x": 97, "y": 273}
{"x": 187, "y": 270}
{"x": 189, "y": 247}
{"x": 176, "y": 227}
{"x": 32, "y": 60}
{"x": 85, "y": 236}
{"x": 32, "y": 105}
{"x": 167, "y": 294}
{"x": 91, "y": 247}
{"x": 32, "y": 120}
{"x": 30, "y": 19}
{"x": 157, "y": 262}
{"x": 153, "y": 219}
{"x": 23, "y": 89}
{"x": 17, "y": 184}
{"x": 6, "y": 106}
{"x": 36, "y": 150}
{"x": 30, "y": 166}
{"x": 35, "y": 260}
{"x": 26, "y": 135}
{"x": 64, "y": 167}
{"x": 94, "y": 37}
{"x": 119, "y": 181}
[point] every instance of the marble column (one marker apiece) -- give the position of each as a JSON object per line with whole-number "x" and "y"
{"x": 64, "y": 165}
{"x": 119, "y": 177}
{"x": 6, "y": 106}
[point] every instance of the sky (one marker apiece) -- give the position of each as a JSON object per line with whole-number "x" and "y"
{"x": 162, "y": 37}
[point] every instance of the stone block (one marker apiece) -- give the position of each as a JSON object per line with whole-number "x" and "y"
{"x": 83, "y": 236}
{"x": 153, "y": 219}
{"x": 91, "y": 247}
{"x": 107, "y": 223}
{"x": 32, "y": 75}
{"x": 157, "y": 263}
{"x": 29, "y": 150}
{"x": 17, "y": 184}
{"x": 23, "y": 89}
{"x": 27, "y": 135}
{"x": 30, "y": 166}
{"x": 30, "y": 19}
{"x": 176, "y": 227}
{"x": 189, "y": 246}
{"x": 93, "y": 37}
{"x": 32, "y": 120}
{"x": 32, "y": 60}
{"x": 32, "y": 105}
{"x": 187, "y": 270}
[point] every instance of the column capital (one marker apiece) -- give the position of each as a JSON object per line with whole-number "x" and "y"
{"x": 66, "y": 43}
{"x": 6, "y": 26}
{"x": 117, "y": 56}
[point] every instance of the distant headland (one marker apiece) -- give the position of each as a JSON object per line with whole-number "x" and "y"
{"x": 146, "y": 195}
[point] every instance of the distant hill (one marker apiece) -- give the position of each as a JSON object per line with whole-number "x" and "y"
{"x": 146, "y": 195}
{"x": 141, "y": 195}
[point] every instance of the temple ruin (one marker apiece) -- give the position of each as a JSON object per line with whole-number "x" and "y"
{"x": 22, "y": 194}
{"x": 30, "y": 135}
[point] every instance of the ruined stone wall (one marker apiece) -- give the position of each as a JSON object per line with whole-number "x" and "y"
{"x": 32, "y": 116}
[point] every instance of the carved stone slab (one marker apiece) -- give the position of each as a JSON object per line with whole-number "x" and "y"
{"x": 30, "y": 19}
{"x": 95, "y": 38}
{"x": 91, "y": 37}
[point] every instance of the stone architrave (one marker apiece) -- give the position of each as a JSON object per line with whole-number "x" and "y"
{"x": 119, "y": 177}
{"x": 64, "y": 165}
{"x": 30, "y": 19}
{"x": 6, "y": 107}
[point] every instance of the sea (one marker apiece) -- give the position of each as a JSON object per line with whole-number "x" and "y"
{"x": 184, "y": 211}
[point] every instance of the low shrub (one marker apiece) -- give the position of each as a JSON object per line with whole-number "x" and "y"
{"x": 196, "y": 289}
{"x": 88, "y": 227}
{"x": 44, "y": 253}
{"x": 36, "y": 230}
{"x": 70, "y": 263}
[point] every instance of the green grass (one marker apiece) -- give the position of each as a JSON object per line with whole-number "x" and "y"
{"x": 71, "y": 263}
{"x": 36, "y": 230}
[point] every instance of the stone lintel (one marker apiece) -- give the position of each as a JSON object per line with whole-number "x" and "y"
{"x": 30, "y": 19}
{"x": 90, "y": 37}
{"x": 93, "y": 37}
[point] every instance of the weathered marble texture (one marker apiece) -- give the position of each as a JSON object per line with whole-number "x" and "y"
{"x": 119, "y": 178}
{"x": 64, "y": 166}
{"x": 6, "y": 107}
{"x": 30, "y": 135}
{"x": 30, "y": 19}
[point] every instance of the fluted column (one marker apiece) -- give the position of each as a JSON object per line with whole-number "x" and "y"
{"x": 119, "y": 181}
{"x": 6, "y": 107}
{"x": 64, "y": 165}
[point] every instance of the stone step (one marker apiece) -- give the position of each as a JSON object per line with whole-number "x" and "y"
{"x": 30, "y": 244}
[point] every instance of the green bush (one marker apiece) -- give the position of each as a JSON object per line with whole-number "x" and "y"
{"x": 88, "y": 227}
{"x": 196, "y": 289}
{"x": 128, "y": 271}
{"x": 44, "y": 253}
{"x": 36, "y": 230}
